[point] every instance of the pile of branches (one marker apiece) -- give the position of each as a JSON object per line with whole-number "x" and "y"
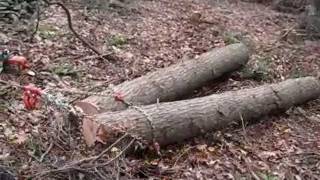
{"x": 15, "y": 10}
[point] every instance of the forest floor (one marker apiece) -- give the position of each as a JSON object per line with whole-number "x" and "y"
{"x": 143, "y": 37}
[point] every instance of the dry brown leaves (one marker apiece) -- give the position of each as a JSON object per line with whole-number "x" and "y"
{"x": 158, "y": 34}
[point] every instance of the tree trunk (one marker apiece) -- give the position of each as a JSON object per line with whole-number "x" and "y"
{"x": 289, "y": 6}
{"x": 311, "y": 18}
{"x": 316, "y": 5}
{"x": 173, "y": 122}
{"x": 174, "y": 82}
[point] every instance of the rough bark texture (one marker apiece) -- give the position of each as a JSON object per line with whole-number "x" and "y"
{"x": 310, "y": 19}
{"x": 173, "y": 122}
{"x": 176, "y": 81}
{"x": 289, "y": 6}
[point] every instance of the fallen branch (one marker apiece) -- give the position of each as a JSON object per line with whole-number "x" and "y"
{"x": 172, "y": 83}
{"x": 85, "y": 42}
{"x": 176, "y": 121}
{"x": 82, "y": 165}
{"x": 47, "y": 152}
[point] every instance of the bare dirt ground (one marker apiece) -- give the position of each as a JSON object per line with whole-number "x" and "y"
{"x": 150, "y": 35}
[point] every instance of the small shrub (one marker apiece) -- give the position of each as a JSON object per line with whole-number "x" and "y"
{"x": 118, "y": 40}
{"x": 65, "y": 70}
{"x": 47, "y": 31}
{"x": 258, "y": 72}
{"x": 230, "y": 38}
{"x": 34, "y": 147}
{"x": 267, "y": 176}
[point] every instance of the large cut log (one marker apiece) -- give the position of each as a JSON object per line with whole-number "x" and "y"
{"x": 174, "y": 82}
{"x": 173, "y": 122}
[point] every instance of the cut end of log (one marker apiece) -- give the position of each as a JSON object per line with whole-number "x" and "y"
{"x": 87, "y": 108}
{"x": 89, "y": 129}
{"x": 93, "y": 132}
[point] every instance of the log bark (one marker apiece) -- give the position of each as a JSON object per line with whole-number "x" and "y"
{"x": 173, "y": 122}
{"x": 174, "y": 82}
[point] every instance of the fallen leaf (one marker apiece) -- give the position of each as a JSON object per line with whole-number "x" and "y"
{"x": 211, "y": 149}
{"x": 202, "y": 147}
{"x": 155, "y": 162}
{"x": 115, "y": 149}
{"x": 31, "y": 73}
{"x": 243, "y": 151}
{"x": 267, "y": 154}
{"x": 3, "y": 157}
{"x": 21, "y": 138}
{"x": 8, "y": 132}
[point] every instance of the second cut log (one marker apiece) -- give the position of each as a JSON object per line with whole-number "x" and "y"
{"x": 173, "y": 122}
{"x": 174, "y": 82}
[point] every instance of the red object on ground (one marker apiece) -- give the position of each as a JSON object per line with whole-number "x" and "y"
{"x": 31, "y": 96}
{"x": 119, "y": 97}
{"x": 20, "y": 61}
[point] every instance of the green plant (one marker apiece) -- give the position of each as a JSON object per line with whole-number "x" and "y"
{"x": 33, "y": 147}
{"x": 258, "y": 72}
{"x": 267, "y": 176}
{"x": 47, "y": 31}
{"x": 230, "y": 38}
{"x": 118, "y": 40}
{"x": 65, "y": 70}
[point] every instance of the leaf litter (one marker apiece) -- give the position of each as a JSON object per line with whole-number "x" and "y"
{"x": 152, "y": 35}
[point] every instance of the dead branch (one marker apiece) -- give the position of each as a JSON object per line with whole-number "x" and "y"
{"x": 38, "y": 22}
{"x": 88, "y": 164}
{"x": 66, "y": 10}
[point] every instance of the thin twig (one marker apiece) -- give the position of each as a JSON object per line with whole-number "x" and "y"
{"x": 47, "y": 151}
{"x": 100, "y": 174}
{"x": 14, "y": 84}
{"x": 116, "y": 157}
{"x": 59, "y": 170}
{"x": 106, "y": 150}
{"x": 118, "y": 171}
{"x": 66, "y": 10}
{"x": 182, "y": 154}
{"x": 243, "y": 128}
{"x": 74, "y": 166}
{"x": 11, "y": 83}
{"x": 38, "y": 22}
{"x": 94, "y": 158}
{"x": 84, "y": 92}
{"x": 286, "y": 33}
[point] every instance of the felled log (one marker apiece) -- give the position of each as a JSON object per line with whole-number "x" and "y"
{"x": 172, "y": 122}
{"x": 174, "y": 82}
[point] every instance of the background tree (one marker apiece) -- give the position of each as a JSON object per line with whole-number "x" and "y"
{"x": 312, "y": 19}
{"x": 14, "y": 10}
